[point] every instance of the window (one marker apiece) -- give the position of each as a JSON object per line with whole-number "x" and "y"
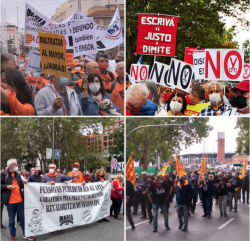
{"x": 105, "y": 138}
{"x": 92, "y": 139}
{"x": 106, "y": 127}
{"x": 110, "y": 138}
{"x": 107, "y": 23}
{"x": 116, "y": 124}
{"x": 104, "y": 143}
{"x": 121, "y": 118}
{"x": 105, "y": 132}
{"x": 111, "y": 126}
{"x": 110, "y": 131}
{"x": 105, "y": 150}
{"x": 121, "y": 123}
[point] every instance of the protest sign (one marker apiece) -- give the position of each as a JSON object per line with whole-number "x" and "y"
{"x": 90, "y": 57}
{"x": 36, "y": 22}
{"x": 70, "y": 59}
{"x": 84, "y": 40}
{"x": 113, "y": 163}
{"x": 38, "y": 81}
{"x": 53, "y": 54}
{"x": 34, "y": 63}
{"x": 189, "y": 54}
{"x": 120, "y": 166}
{"x": 156, "y": 34}
{"x": 139, "y": 72}
{"x": 199, "y": 65}
{"x": 20, "y": 60}
{"x": 224, "y": 64}
{"x": 159, "y": 73}
{"x": 246, "y": 72}
{"x": 50, "y": 208}
{"x": 179, "y": 75}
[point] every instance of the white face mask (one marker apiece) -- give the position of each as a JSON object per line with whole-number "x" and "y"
{"x": 51, "y": 171}
{"x": 94, "y": 87}
{"x": 81, "y": 63}
{"x": 15, "y": 169}
{"x": 8, "y": 90}
{"x": 215, "y": 98}
{"x": 175, "y": 106}
{"x": 78, "y": 68}
{"x": 75, "y": 169}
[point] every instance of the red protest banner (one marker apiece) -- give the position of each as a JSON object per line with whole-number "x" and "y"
{"x": 189, "y": 54}
{"x": 40, "y": 83}
{"x": 156, "y": 34}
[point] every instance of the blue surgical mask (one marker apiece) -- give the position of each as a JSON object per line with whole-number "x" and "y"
{"x": 63, "y": 81}
{"x": 36, "y": 74}
{"x": 161, "y": 181}
{"x": 204, "y": 177}
{"x": 234, "y": 175}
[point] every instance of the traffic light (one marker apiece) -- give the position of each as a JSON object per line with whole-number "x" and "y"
{"x": 186, "y": 126}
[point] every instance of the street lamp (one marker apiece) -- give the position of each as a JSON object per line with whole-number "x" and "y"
{"x": 139, "y": 149}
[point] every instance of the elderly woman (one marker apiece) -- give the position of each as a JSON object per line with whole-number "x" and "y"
{"x": 93, "y": 96}
{"x": 176, "y": 104}
{"x": 116, "y": 194}
{"x": 16, "y": 97}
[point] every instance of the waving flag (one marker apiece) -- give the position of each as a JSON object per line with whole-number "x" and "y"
{"x": 243, "y": 171}
{"x": 130, "y": 171}
{"x": 140, "y": 60}
{"x": 203, "y": 167}
{"x": 164, "y": 169}
{"x": 179, "y": 168}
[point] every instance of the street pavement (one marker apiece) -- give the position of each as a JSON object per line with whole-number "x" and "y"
{"x": 235, "y": 227}
{"x": 112, "y": 231}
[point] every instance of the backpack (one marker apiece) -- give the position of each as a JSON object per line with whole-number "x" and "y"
{"x": 113, "y": 86}
{"x": 111, "y": 75}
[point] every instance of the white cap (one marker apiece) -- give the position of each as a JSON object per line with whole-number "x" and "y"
{"x": 87, "y": 173}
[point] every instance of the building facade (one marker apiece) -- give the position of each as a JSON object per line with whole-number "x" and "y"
{"x": 221, "y": 147}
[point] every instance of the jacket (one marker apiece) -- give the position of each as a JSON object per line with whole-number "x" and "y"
{"x": 116, "y": 189}
{"x": 117, "y": 94}
{"x": 245, "y": 182}
{"x": 194, "y": 186}
{"x": 6, "y": 179}
{"x": 184, "y": 193}
{"x": 97, "y": 179}
{"x": 35, "y": 178}
{"x": 44, "y": 100}
{"x": 130, "y": 191}
{"x": 211, "y": 191}
{"x": 58, "y": 179}
{"x": 90, "y": 106}
{"x": 149, "y": 109}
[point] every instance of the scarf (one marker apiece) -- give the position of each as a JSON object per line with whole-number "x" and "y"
{"x": 52, "y": 175}
{"x": 158, "y": 185}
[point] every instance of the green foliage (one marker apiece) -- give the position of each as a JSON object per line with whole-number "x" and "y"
{"x": 243, "y": 136}
{"x": 26, "y": 139}
{"x": 166, "y": 139}
{"x": 246, "y": 47}
{"x": 200, "y": 23}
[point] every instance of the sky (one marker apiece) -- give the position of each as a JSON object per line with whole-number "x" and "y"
{"x": 220, "y": 124}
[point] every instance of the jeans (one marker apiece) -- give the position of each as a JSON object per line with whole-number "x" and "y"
{"x": 149, "y": 209}
{"x": 142, "y": 198}
{"x": 235, "y": 196}
{"x": 155, "y": 213}
{"x": 223, "y": 201}
{"x": 12, "y": 209}
{"x": 119, "y": 205}
{"x": 207, "y": 205}
{"x": 193, "y": 203}
{"x": 183, "y": 210}
{"x": 243, "y": 194}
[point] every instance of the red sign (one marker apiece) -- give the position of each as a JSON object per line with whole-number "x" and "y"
{"x": 189, "y": 54}
{"x": 139, "y": 72}
{"x": 156, "y": 34}
{"x": 246, "y": 72}
{"x": 113, "y": 163}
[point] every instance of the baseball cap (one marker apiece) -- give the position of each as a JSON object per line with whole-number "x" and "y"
{"x": 75, "y": 164}
{"x": 243, "y": 85}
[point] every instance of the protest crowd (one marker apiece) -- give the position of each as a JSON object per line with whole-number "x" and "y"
{"x": 13, "y": 183}
{"x": 222, "y": 187}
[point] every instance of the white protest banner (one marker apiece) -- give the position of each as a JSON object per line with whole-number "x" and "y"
{"x": 108, "y": 37}
{"x": 48, "y": 208}
{"x": 139, "y": 72}
{"x": 113, "y": 163}
{"x": 34, "y": 64}
{"x": 246, "y": 72}
{"x": 179, "y": 75}
{"x": 90, "y": 57}
{"x": 159, "y": 73}
{"x": 120, "y": 166}
{"x": 36, "y": 22}
{"x": 224, "y": 64}
{"x": 84, "y": 40}
{"x": 199, "y": 65}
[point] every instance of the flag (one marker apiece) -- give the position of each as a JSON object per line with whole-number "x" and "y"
{"x": 140, "y": 60}
{"x": 243, "y": 171}
{"x": 130, "y": 171}
{"x": 164, "y": 169}
{"x": 203, "y": 167}
{"x": 179, "y": 168}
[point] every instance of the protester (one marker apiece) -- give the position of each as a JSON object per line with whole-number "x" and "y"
{"x": 207, "y": 193}
{"x": 137, "y": 101}
{"x": 242, "y": 102}
{"x": 119, "y": 58}
{"x": 37, "y": 175}
{"x": 194, "y": 185}
{"x": 176, "y": 105}
{"x": 245, "y": 187}
{"x": 234, "y": 191}
{"x": 217, "y": 105}
{"x": 154, "y": 96}
{"x": 16, "y": 97}
{"x": 136, "y": 199}
{"x": 87, "y": 177}
{"x": 56, "y": 99}
{"x": 142, "y": 186}
{"x": 197, "y": 101}
{"x": 106, "y": 76}
{"x": 75, "y": 74}
{"x": 184, "y": 195}
{"x": 117, "y": 88}
{"x": 94, "y": 99}
{"x": 164, "y": 94}
{"x": 58, "y": 170}
{"x": 116, "y": 194}
{"x": 221, "y": 192}
{"x": 24, "y": 175}
{"x": 76, "y": 171}
{"x": 148, "y": 203}
{"x": 130, "y": 192}
{"x": 99, "y": 176}
{"x": 12, "y": 197}
{"x": 170, "y": 185}
{"x": 158, "y": 197}
{"x": 8, "y": 61}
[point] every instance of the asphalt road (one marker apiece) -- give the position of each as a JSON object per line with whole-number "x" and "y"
{"x": 112, "y": 231}
{"x": 235, "y": 227}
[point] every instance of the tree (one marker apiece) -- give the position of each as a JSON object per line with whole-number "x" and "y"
{"x": 246, "y": 47}
{"x": 167, "y": 139}
{"x": 200, "y": 23}
{"x": 242, "y": 140}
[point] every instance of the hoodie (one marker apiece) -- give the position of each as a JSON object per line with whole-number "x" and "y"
{"x": 149, "y": 109}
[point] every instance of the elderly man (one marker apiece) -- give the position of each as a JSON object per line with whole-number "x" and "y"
{"x": 56, "y": 99}
{"x": 37, "y": 175}
{"x": 76, "y": 171}
{"x": 170, "y": 185}
{"x": 221, "y": 192}
{"x": 217, "y": 105}
{"x": 52, "y": 177}
{"x": 184, "y": 195}
{"x": 8, "y": 61}
{"x": 194, "y": 185}
{"x": 158, "y": 197}
{"x": 142, "y": 186}
{"x": 119, "y": 58}
{"x": 12, "y": 196}
{"x": 117, "y": 88}
{"x": 234, "y": 191}
{"x": 58, "y": 170}
{"x": 207, "y": 193}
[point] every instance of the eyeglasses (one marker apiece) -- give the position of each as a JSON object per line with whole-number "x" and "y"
{"x": 103, "y": 60}
{"x": 122, "y": 68}
{"x": 214, "y": 91}
{"x": 95, "y": 67}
